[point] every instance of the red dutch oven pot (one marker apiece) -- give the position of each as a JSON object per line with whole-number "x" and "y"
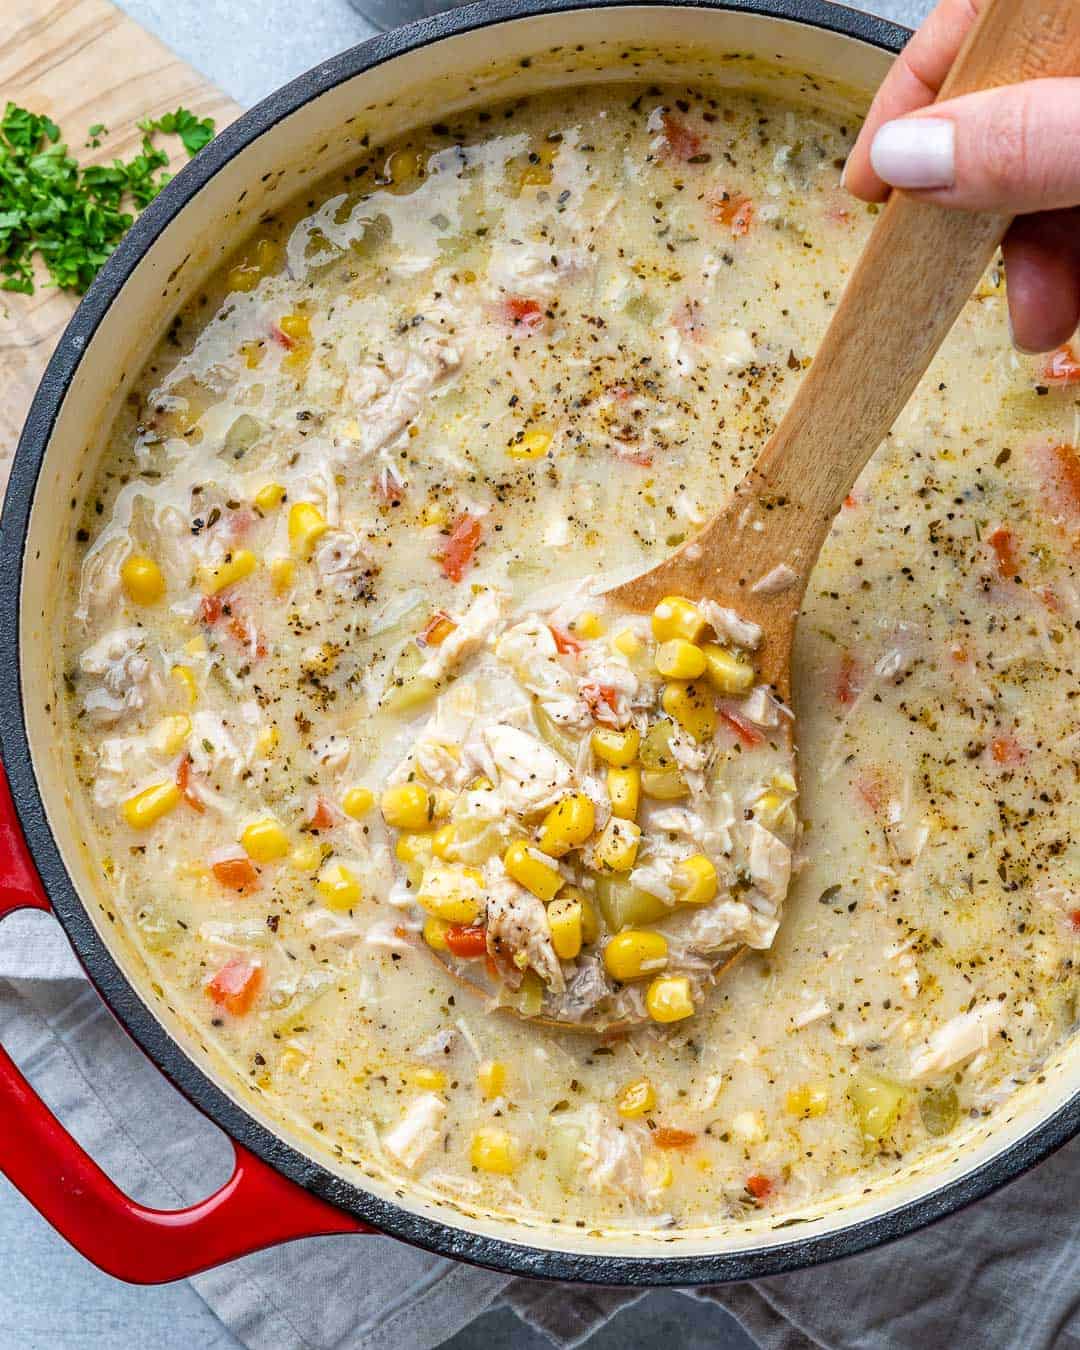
{"x": 277, "y": 1192}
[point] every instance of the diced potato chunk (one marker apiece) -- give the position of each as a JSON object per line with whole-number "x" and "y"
{"x": 624, "y": 905}
{"x": 877, "y": 1104}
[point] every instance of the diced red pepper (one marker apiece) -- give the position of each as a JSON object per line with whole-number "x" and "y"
{"x": 669, "y": 1137}
{"x": 851, "y": 501}
{"x": 746, "y": 732}
{"x": 682, "y": 143}
{"x": 523, "y": 313}
{"x": 210, "y": 609}
{"x": 848, "y": 684}
{"x": 1062, "y": 367}
{"x": 1003, "y": 542}
{"x": 437, "y": 630}
{"x": 468, "y": 942}
{"x": 629, "y": 455}
{"x": 736, "y": 212}
{"x": 183, "y": 782}
{"x": 1007, "y": 750}
{"x": 565, "y": 643}
{"x": 389, "y": 488}
{"x": 1060, "y": 468}
{"x": 236, "y": 874}
{"x": 1074, "y": 919}
{"x": 457, "y": 552}
{"x": 602, "y": 700}
{"x": 236, "y": 986}
{"x": 959, "y": 653}
{"x": 759, "y": 1187}
{"x": 245, "y": 632}
{"x": 282, "y": 339}
{"x": 323, "y": 817}
{"x": 871, "y": 788}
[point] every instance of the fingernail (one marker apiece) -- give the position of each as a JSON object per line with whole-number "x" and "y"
{"x": 915, "y": 152}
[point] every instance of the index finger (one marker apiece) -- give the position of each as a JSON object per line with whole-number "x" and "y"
{"x": 914, "y": 81}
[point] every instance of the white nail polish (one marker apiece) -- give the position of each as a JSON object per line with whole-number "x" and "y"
{"x": 916, "y": 152}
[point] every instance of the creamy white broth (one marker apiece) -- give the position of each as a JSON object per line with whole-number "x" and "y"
{"x": 630, "y": 293}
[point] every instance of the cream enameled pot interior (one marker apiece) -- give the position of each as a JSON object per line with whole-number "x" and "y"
{"x": 482, "y": 66}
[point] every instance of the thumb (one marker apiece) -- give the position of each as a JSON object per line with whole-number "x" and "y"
{"x": 1015, "y": 149}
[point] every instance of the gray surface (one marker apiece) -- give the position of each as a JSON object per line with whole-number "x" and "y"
{"x": 50, "y": 1297}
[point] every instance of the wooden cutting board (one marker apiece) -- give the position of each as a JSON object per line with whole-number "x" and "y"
{"x": 81, "y": 62}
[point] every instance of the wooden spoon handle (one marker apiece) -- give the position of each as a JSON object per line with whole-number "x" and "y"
{"x": 921, "y": 264}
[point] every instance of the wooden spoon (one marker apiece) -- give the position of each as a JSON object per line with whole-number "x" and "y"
{"x": 918, "y": 269}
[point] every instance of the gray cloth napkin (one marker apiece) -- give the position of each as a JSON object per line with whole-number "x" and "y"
{"x": 1003, "y": 1273}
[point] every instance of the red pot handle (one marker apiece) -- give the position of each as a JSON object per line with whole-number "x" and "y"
{"x": 257, "y": 1207}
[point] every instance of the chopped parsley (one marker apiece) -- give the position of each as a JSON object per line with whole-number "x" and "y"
{"x": 73, "y": 217}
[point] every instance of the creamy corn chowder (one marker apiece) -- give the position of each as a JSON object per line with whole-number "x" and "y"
{"x": 383, "y": 790}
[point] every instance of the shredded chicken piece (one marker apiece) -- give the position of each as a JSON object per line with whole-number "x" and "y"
{"x": 531, "y": 776}
{"x": 127, "y": 676}
{"x": 961, "y": 1037}
{"x": 417, "y": 1132}
{"x": 517, "y": 923}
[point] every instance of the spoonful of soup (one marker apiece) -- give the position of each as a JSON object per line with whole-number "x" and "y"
{"x": 634, "y": 831}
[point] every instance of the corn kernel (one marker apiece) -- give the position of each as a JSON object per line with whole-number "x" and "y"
{"x": 357, "y": 802}
{"x": 264, "y": 841}
{"x": 624, "y": 789}
{"x": 282, "y": 575}
{"x": 269, "y": 498}
{"x": 266, "y": 742}
{"x": 235, "y": 567}
{"x": 774, "y": 809}
{"x": 627, "y": 642}
{"x": 668, "y": 999}
{"x": 142, "y": 580}
{"x": 532, "y": 445}
{"x": 170, "y": 733}
{"x": 481, "y": 783}
{"x": 407, "y": 806}
{"x": 493, "y": 1150}
{"x": 697, "y": 880}
{"x": 677, "y": 617}
{"x": 617, "y": 748}
{"x": 196, "y": 646}
{"x": 636, "y": 1098}
{"x": 148, "y": 806}
{"x": 564, "y": 920}
{"x": 307, "y": 525}
{"x": 491, "y": 1079}
{"x": 295, "y": 326}
{"x": 452, "y": 893}
{"x": 533, "y": 870}
{"x": 434, "y": 513}
{"x": 244, "y": 277}
{"x": 306, "y": 856}
{"x": 338, "y": 887}
{"x": 567, "y": 825}
{"x": 726, "y": 673}
{"x": 588, "y": 625}
{"x": 807, "y": 1100}
{"x": 431, "y": 1080}
{"x": 657, "y": 1171}
{"x": 442, "y": 843}
{"x": 414, "y": 851}
{"x": 617, "y": 847}
{"x": 435, "y": 933}
{"x": 635, "y": 953}
{"x": 253, "y": 353}
{"x": 691, "y": 705}
{"x": 403, "y": 166}
{"x": 679, "y": 660}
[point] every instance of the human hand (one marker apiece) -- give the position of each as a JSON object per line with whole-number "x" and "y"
{"x": 1015, "y": 150}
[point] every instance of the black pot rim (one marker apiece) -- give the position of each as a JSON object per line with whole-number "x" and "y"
{"x": 497, "y": 1253}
